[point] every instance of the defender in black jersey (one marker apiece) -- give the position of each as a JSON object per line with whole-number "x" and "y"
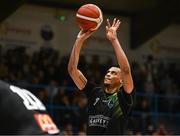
{"x": 108, "y": 106}
{"x": 21, "y": 113}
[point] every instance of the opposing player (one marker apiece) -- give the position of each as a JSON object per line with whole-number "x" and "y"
{"x": 110, "y": 105}
{"x": 21, "y": 113}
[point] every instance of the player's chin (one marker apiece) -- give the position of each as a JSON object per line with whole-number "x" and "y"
{"x": 106, "y": 83}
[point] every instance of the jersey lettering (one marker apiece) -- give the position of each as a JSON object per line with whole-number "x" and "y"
{"x": 98, "y": 120}
{"x": 30, "y": 101}
{"x": 46, "y": 124}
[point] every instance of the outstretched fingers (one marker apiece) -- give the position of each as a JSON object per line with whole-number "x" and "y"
{"x": 117, "y": 24}
{"x": 108, "y": 23}
{"x": 114, "y": 22}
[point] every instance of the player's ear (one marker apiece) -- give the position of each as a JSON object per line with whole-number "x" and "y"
{"x": 121, "y": 81}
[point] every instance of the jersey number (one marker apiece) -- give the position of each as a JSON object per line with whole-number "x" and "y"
{"x": 30, "y": 101}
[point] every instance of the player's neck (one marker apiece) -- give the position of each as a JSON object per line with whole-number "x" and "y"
{"x": 110, "y": 90}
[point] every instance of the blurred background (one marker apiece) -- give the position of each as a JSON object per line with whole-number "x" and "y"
{"x": 36, "y": 38}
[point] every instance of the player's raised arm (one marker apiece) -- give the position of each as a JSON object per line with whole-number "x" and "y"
{"x": 121, "y": 56}
{"x": 77, "y": 76}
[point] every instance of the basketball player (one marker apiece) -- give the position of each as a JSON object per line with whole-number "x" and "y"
{"x": 21, "y": 113}
{"x": 110, "y": 105}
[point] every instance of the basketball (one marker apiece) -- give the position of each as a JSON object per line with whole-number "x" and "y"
{"x": 89, "y": 17}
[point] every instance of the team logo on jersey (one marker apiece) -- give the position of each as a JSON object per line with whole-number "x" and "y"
{"x": 109, "y": 103}
{"x": 98, "y": 120}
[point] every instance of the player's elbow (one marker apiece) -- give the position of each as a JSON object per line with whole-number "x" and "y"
{"x": 71, "y": 70}
{"x": 128, "y": 85}
{"x": 70, "y": 67}
{"x": 130, "y": 89}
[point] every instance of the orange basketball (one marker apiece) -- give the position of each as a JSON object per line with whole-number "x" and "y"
{"x": 89, "y": 17}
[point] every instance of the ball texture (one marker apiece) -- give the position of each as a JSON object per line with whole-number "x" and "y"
{"x": 89, "y": 17}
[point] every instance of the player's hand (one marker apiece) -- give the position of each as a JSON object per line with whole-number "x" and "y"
{"x": 111, "y": 29}
{"x": 83, "y": 35}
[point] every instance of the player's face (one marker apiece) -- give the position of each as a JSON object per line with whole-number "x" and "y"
{"x": 113, "y": 77}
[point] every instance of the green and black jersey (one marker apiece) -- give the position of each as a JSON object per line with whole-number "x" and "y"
{"x": 107, "y": 113}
